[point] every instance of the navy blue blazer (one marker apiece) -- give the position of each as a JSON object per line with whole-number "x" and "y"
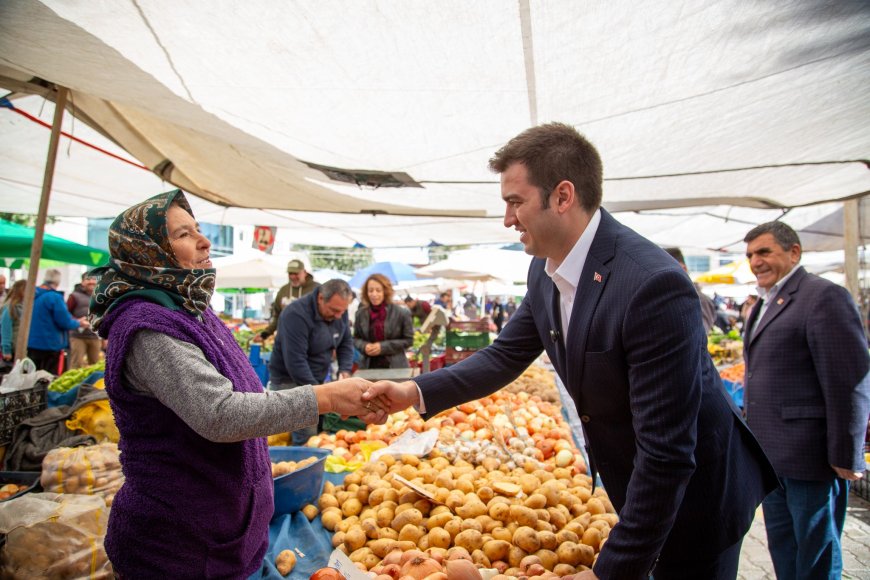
{"x": 677, "y": 460}
{"x": 807, "y": 389}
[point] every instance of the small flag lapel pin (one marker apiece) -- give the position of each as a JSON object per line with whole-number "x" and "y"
{"x": 597, "y": 277}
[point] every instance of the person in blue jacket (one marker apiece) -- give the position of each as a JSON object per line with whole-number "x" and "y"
{"x": 50, "y": 324}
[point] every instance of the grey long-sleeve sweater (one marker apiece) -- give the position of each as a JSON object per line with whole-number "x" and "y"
{"x": 181, "y": 378}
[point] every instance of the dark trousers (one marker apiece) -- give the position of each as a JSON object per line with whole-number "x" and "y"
{"x": 46, "y": 360}
{"x": 804, "y": 521}
{"x": 722, "y": 566}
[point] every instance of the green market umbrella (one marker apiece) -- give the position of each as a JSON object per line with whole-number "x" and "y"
{"x": 16, "y": 240}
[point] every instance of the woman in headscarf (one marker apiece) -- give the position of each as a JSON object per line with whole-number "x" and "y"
{"x": 382, "y": 331}
{"x": 192, "y": 413}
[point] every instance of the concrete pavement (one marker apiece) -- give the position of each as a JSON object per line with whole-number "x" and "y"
{"x": 755, "y": 561}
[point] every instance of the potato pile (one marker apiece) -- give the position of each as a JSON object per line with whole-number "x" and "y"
{"x": 285, "y": 467}
{"x": 92, "y": 470}
{"x": 59, "y": 536}
{"x": 498, "y": 515}
{"x": 515, "y": 428}
{"x": 536, "y": 381}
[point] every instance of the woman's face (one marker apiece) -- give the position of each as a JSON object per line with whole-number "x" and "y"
{"x": 375, "y": 292}
{"x": 189, "y": 245}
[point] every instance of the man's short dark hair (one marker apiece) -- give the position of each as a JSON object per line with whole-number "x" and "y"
{"x": 553, "y": 153}
{"x": 676, "y": 254}
{"x": 782, "y": 233}
{"x": 335, "y": 286}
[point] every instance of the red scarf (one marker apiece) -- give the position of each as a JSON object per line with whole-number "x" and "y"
{"x": 377, "y": 318}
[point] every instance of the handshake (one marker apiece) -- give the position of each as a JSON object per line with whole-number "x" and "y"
{"x": 371, "y": 402}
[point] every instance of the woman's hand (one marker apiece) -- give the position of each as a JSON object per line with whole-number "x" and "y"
{"x": 373, "y": 349}
{"x": 345, "y": 398}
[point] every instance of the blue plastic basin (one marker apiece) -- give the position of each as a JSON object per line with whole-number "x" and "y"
{"x": 294, "y": 490}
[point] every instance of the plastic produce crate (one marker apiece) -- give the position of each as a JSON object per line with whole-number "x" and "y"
{"x": 468, "y": 334}
{"x": 18, "y": 406}
{"x": 260, "y": 362}
{"x": 735, "y": 390}
{"x": 454, "y": 355}
{"x": 295, "y": 489}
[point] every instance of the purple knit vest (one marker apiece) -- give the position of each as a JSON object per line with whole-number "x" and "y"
{"x": 189, "y": 507}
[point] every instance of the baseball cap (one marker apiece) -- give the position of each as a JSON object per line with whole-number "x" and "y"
{"x": 294, "y": 266}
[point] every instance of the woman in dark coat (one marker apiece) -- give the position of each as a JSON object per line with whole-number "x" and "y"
{"x": 382, "y": 331}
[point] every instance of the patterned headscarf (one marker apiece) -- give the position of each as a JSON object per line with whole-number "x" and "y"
{"x": 143, "y": 265}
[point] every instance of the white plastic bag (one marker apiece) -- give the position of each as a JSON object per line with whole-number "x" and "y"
{"x": 409, "y": 443}
{"x": 22, "y": 376}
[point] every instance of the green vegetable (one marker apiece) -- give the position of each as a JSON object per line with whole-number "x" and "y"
{"x": 74, "y": 377}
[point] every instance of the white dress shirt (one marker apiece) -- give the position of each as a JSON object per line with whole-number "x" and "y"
{"x": 566, "y": 275}
{"x": 767, "y": 296}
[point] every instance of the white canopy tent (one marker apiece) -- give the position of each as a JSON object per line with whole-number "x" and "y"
{"x": 96, "y": 178}
{"x": 690, "y": 104}
{"x": 481, "y": 265}
{"x": 251, "y": 271}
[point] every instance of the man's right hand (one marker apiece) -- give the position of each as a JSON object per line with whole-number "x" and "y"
{"x": 393, "y": 397}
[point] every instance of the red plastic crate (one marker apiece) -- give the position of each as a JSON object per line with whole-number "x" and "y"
{"x": 453, "y": 356}
{"x": 435, "y": 363}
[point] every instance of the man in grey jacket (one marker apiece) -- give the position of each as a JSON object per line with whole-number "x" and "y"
{"x": 301, "y": 284}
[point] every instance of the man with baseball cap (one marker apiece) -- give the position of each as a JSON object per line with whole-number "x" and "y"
{"x": 301, "y": 283}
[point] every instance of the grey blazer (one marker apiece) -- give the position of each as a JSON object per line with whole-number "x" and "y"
{"x": 398, "y": 335}
{"x": 807, "y": 390}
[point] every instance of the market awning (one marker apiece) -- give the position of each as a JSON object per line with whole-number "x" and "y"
{"x": 737, "y": 272}
{"x": 16, "y": 241}
{"x": 369, "y": 108}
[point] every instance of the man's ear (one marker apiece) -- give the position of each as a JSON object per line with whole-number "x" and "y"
{"x": 565, "y": 196}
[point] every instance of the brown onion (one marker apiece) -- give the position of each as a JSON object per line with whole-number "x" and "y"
{"x": 393, "y": 557}
{"x": 410, "y": 555}
{"x": 420, "y": 567}
{"x": 461, "y": 569}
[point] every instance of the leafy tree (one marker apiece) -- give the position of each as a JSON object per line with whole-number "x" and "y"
{"x": 25, "y": 219}
{"x": 345, "y": 260}
{"x": 438, "y": 253}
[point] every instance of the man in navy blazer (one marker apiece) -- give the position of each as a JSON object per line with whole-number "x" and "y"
{"x": 807, "y": 399}
{"x": 621, "y": 323}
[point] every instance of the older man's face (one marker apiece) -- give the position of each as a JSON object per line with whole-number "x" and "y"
{"x": 297, "y": 278}
{"x": 333, "y": 308}
{"x": 88, "y": 284}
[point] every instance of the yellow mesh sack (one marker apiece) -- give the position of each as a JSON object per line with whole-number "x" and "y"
{"x": 95, "y": 419}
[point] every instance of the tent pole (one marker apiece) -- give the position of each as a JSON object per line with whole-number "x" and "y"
{"x": 850, "y": 247}
{"x": 36, "y": 248}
